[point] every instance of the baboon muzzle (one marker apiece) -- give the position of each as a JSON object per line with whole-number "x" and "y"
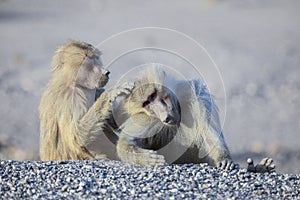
{"x": 170, "y": 120}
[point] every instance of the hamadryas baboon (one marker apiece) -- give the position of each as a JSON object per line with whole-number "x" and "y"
{"x": 183, "y": 113}
{"x": 70, "y": 117}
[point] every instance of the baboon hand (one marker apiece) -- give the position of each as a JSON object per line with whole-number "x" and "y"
{"x": 227, "y": 165}
{"x": 126, "y": 88}
{"x": 265, "y": 165}
{"x": 149, "y": 158}
{"x": 121, "y": 90}
{"x": 141, "y": 156}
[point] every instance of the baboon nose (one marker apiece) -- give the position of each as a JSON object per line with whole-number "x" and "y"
{"x": 106, "y": 72}
{"x": 169, "y": 120}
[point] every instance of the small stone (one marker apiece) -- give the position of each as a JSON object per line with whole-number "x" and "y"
{"x": 174, "y": 190}
{"x": 103, "y": 191}
{"x": 132, "y": 192}
{"x": 64, "y": 188}
{"x": 257, "y": 184}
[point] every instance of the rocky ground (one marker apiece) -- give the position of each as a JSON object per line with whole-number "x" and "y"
{"x": 254, "y": 43}
{"x": 113, "y": 179}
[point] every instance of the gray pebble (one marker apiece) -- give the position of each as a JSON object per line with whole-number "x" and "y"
{"x": 105, "y": 179}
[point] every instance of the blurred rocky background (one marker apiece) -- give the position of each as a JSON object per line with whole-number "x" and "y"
{"x": 255, "y": 44}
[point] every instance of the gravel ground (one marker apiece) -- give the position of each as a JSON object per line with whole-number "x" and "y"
{"x": 116, "y": 180}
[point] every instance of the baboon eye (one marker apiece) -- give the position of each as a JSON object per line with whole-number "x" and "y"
{"x": 152, "y": 96}
{"x": 163, "y": 102}
{"x": 146, "y": 103}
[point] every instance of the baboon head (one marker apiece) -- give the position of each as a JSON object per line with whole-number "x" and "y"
{"x": 151, "y": 97}
{"x": 79, "y": 63}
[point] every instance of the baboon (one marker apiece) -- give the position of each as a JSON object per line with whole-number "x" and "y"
{"x": 69, "y": 115}
{"x": 165, "y": 116}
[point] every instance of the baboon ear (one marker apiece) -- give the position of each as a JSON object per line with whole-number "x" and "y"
{"x": 162, "y": 75}
{"x": 58, "y": 60}
{"x": 136, "y": 83}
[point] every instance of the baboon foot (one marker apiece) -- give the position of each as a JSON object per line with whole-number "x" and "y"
{"x": 265, "y": 165}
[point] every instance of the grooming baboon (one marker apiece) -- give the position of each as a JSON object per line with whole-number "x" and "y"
{"x": 173, "y": 117}
{"x": 70, "y": 117}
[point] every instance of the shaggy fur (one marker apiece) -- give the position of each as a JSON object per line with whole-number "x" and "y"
{"x": 69, "y": 116}
{"x": 195, "y": 138}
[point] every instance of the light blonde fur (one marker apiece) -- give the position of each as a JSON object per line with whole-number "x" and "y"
{"x": 198, "y": 132}
{"x": 69, "y": 116}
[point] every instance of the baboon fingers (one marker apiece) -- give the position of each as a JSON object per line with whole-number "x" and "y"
{"x": 264, "y": 161}
{"x": 271, "y": 168}
{"x": 269, "y": 162}
{"x": 230, "y": 167}
{"x": 128, "y": 85}
{"x": 220, "y": 164}
{"x": 150, "y": 158}
{"x": 157, "y": 161}
{"x": 156, "y": 156}
{"x": 251, "y": 167}
{"x": 141, "y": 156}
{"x": 127, "y": 88}
{"x": 250, "y": 161}
{"x": 226, "y": 164}
{"x": 223, "y": 164}
{"x": 147, "y": 151}
{"x": 124, "y": 89}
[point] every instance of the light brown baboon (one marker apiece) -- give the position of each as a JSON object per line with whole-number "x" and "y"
{"x": 69, "y": 115}
{"x": 166, "y": 117}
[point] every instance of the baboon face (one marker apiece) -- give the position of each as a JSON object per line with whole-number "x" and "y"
{"x": 80, "y": 62}
{"x": 91, "y": 74}
{"x": 158, "y": 101}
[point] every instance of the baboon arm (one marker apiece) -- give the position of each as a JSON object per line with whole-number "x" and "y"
{"x": 206, "y": 111}
{"x": 89, "y": 126}
{"x": 47, "y": 144}
{"x": 217, "y": 150}
{"x": 213, "y": 137}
